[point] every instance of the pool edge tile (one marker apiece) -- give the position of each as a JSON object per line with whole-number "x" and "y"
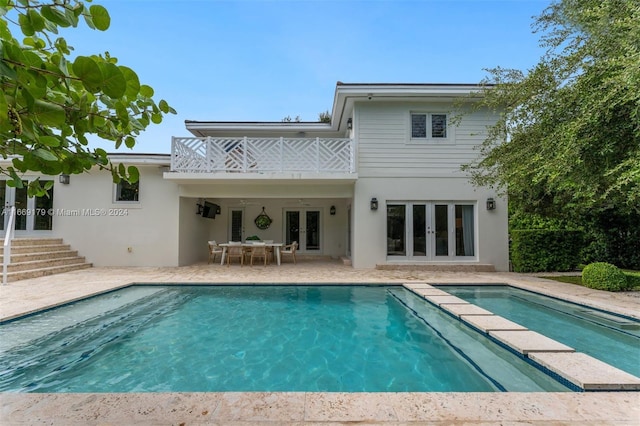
{"x": 527, "y": 341}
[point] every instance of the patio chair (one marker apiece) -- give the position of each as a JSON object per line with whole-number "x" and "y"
{"x": 235, "y": 250}
{"x": 259, "y": 250}
{"x": 290, "y": 249}
{"x": 214, "y": 249}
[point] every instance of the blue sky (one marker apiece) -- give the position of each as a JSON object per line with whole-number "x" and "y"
{"x": 262, "y": 60}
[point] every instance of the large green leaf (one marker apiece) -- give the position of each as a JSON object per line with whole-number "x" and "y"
{"x": 51, "y": 13}
{"x": 45, "y": 154}
{"x": 47, "y": 114}
{"x": 114, "y": 84}
{"x": 146, "y": 91}
{"x": 37, "y": 22}
{"x": 25, "y": 25}
{"x": 50, "y": 141}
{"x": 88, "y": 71}
{"x": 133, "y": 83}
{"x": 100, "y": 17}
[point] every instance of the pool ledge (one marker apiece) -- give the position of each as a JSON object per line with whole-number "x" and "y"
{"x": 616, "y": 408}
{"x": 583, "y": 371}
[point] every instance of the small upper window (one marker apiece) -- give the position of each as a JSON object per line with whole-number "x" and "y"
{"x": 438, "y": 125}
{"x": 127, "y": 192}
{"x": 418, "y": 125}
{"x": 428, "y": 126}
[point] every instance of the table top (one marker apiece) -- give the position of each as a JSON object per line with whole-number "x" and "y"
{"x": 251, "y": 244}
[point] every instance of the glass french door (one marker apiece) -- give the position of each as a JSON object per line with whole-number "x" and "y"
{"x": 430, "y": 231}
{"x": 303, "y": 226}
{"x": 33, "y": 214}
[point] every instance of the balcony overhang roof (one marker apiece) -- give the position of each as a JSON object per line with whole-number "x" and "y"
{"x": 346, "y": 95}
{"x": 276, "y": 178}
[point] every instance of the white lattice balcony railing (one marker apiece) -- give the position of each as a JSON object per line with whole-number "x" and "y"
{"x": 259, "y": 155}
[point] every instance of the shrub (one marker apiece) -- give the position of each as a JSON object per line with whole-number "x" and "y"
{"x": 604, "y": 276}
{"x": 543, "y": 250}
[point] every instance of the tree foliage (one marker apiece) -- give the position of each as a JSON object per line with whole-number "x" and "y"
{"x": 573, "y": 121}
{"x": 51, "y": 102}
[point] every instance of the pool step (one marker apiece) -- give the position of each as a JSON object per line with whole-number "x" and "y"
{"x": 37, "y": 257}
{"x": 438, "y": 267}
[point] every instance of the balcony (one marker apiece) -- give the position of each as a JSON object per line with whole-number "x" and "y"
{"x": 326, "y": 156}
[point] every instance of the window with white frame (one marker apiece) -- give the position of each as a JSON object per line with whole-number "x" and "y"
{"x": 126, "y": 192}
{"x": 429, "y": 125}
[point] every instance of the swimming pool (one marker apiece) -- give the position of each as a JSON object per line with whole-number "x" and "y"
{"x": 256, "y": 338}
{"x": 611, "y": 338}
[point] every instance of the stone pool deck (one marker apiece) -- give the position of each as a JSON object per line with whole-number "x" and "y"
{"x": 591, "y": 408}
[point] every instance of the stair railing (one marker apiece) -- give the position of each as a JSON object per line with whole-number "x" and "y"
{"x": 6, "y": 253}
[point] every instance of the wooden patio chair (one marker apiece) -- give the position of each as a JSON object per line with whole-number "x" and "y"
{"x": 237, "y": 251}
{"x": 290, "y": 249}
{"x": 214, "y": 249}
{"x": 259, "y": 250}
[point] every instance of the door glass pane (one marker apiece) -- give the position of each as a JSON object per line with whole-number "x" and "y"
{"x": 464, "y": 230}
{"x": 3, "y": 203}
{"x": 43, "y": 220}
{"x": 442, "y": 224}
{"x": 419, "y": 230}
{"x": 396, "y": 224}
{"x": 292, "y": 227}
{"x": 313, "y": 230}
{"x": 236, "y": 225}
{"x": 21, "y": 207}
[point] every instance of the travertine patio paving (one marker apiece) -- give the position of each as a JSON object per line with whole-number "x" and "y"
{"x": 31, "y": 295}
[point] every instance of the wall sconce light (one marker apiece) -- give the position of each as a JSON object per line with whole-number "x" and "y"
{"x": 350, "y": 123}
{"x": 64, "y": 179}
{"x": 491, "y": 204}
{"x": 332, "y": 211}
{"x": 374, "y": 203}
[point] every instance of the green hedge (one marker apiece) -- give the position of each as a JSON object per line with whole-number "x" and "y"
{"x": 633, "y": 278}
{"x": 543, "y": 250}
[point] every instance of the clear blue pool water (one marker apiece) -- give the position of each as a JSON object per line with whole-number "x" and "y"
{"x": 607, "y": 337}
{"x": 256, "y": 338}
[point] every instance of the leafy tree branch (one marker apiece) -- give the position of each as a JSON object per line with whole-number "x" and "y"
{"x": 52, "y": 104}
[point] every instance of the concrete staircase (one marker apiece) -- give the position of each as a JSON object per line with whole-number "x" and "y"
{"x": 37, "y": 257}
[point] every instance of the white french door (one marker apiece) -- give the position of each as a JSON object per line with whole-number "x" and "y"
{"x": 303, "y": 226}
{"x": 430, "y": 230}
{"x": 33, "y": 214}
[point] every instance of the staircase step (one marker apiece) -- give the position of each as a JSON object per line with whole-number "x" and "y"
{"x": 37, "y": 249}
{"x": 45, "y": 263}
{"x": 45, "y": 255}
{"x": 35, "y": 241}
{"x": 35, "y": 273}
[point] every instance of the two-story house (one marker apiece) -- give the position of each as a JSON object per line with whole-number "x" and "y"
{"x": 379, "y": 185}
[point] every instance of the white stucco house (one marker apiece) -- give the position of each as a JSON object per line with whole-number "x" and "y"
{"x": 380, "y": 185}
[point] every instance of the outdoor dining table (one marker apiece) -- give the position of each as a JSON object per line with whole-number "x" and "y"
{"x": 276, "y": 249}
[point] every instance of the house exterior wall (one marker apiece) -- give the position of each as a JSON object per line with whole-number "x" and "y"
{"x": 385, "y": 148}
{"x": 393, "y": 168}
{"x": 369, "y": 247}
{"x": 132, "y": 234}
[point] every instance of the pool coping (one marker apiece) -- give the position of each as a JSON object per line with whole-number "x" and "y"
{"x": 306, "y": 408}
